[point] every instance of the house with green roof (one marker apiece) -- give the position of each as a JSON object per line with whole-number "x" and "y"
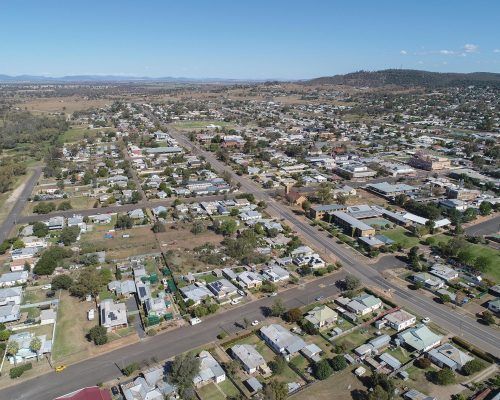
{"x": 420, "y": 338}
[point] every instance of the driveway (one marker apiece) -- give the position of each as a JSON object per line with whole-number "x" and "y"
{"x": 132, "y": 309}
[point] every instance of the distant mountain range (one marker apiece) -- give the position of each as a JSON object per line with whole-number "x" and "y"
{"x": 113, "y": 79}
{"x": 409, "y": 78}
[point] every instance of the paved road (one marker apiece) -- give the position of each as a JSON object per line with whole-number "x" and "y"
{"x": 116, "y": 209}
{"x": 455, "y": 322}
{"x": 489, "y": 227}
{"x": 107, "y": 366}
{"x": 13, "y": 216}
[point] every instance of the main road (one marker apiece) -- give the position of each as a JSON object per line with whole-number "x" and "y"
{"x": 107, "y": 366}
{"x": 452, "y": 320}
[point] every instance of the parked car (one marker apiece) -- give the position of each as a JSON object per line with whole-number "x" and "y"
{"x": 255, "y": 323}
{"x": 195, "y": 321}
{"x": 426, "y": 320}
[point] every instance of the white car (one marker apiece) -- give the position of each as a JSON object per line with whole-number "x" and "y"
{"x": 426, "y": 320}
{"x": 255, "y": 323}
{"x": 273, "y": 294}
{"x": 195, "y": 321}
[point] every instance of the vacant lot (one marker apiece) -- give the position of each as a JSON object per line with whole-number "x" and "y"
{"x": 202, "y": 124}
{"x": 338, "y": 387}
{"x": 77, "y": 203}
{"x": 71, "y": 328}
{"x": 141, "y": 240}
{"x": 62, "y": 104}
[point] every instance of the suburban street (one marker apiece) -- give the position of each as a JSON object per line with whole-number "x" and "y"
{"x": 163, "y": 346}
{"x": 13, "y": 217}
{"x": 107, "y": 366}
{"x": 455, "y": 322}
{"x": 488, "y": 227}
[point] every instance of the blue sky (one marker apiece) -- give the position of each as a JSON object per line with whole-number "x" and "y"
{"x": 246, "y": 39}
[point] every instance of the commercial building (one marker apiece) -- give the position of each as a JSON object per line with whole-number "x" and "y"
{"x": 429, "y": 162}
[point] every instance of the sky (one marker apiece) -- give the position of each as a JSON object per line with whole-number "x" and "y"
{"x": 250, "y": 39}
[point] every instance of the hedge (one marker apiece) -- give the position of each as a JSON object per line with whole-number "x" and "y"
{"x": 16, "y": 372}
{"x": 474, "y": 350}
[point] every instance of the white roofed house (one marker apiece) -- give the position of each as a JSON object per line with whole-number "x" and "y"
{"x": 363, "y": 304}
{"x": 281, "y": 340}
{"x": 195, "y": 293}
{"x": 222, "y": 288}
{"x": 10, "y": 312}
{"x": 275, "y": 273}
{"x": 250, "y": 358}
{"x": 136, "y": 214}
{"x": 249, "y": 279}
{"x": 400, "y": 320}
{"x": 11, "y": 295}
{"x": 56, "y": 223}
{"x": 24, "y": 253}
{"x": 113, "y": 315}
{"x": 449, "y": 356}
{"x": 23, "y": 340}
{"x": 13, "y": 278}
{"x": 34, "y": 241}
{"x": 210, "y": 370}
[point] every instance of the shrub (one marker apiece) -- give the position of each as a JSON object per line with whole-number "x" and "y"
{"x": 278, "y": 365}
{"x": 443, "y": 377}
{"x": 129, "y": 369}
{"x": 423, "y": 363}
{"x": 62, "y": 282}
{"x": 16, "y": 372}
{"x": 98, "y": 335}
{"x": 322, "y": 370}
{"x": 338, "y": 363}
{"x": 473, "y": 366}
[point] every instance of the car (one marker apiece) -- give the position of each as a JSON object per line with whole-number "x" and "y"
{"x": 241, "y": 292}
{"x": 426, "y": 320}
{"x": 319, "y": 298}
{"x": 273, "y": 294}
{"x": 195, "y": 321}
{"x": 60, "y": 368}
{"x": 255, "y": 323}
{"x": 115, "y": 391}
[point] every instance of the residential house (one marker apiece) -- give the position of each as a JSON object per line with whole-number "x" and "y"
{"x": 419, "y": 338}
{"x": 275, "y": 273}
{"x": 11, "y": 295}
{"x": 281, "y": 340}
{"x": 139, "y": 389}
{"x": 210, "y": 370}
{"x": 113, "y": 315}
{"x": 195, "y": 293}
{"x": 249, "y": 279}
{"x": 427, "y": 280}
{"x": 222, "y": 288}
{"x": 13, "y": 278}
{"x": 400, "y": 320}
{"x": 88, "y": 393}
{"x": 321, "y": 316}
{"x": 444, "y": 272}
{"x": 361, "y": 305}
{"x": 23, "y": 340}
{"x": 449, "y": 356}
{"x": 250, "y": 358}
{"x": 10, "y": 312}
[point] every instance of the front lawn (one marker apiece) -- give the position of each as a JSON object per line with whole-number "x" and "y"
{"x": 210, "y": 392}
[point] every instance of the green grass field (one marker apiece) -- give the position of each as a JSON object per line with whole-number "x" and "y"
{"x": 74, "y": 134}
{"x": 401, "y": 236}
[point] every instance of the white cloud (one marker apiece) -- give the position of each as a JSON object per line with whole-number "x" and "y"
{"x": 446, "y": 52}
{"x": 496, "y": 51}
{"x": 420, "y": 62}
{"x": 404, "y": 52}
{"x": 471, "y": 48}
